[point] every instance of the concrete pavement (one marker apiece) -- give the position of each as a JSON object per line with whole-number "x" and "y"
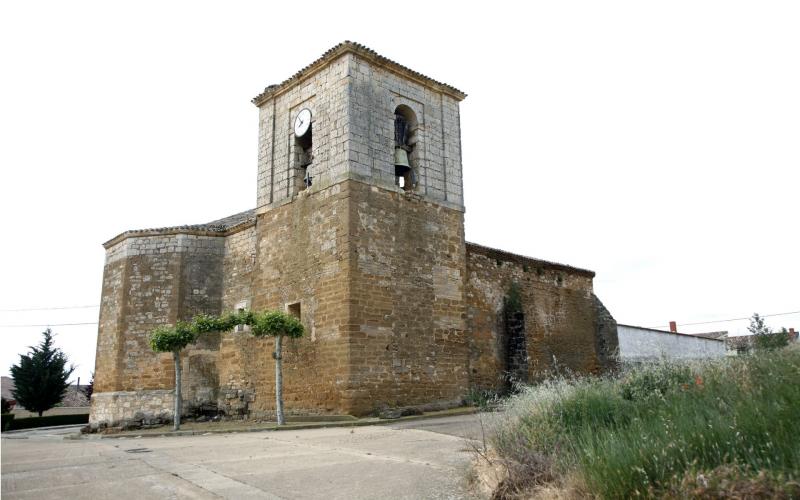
{"x": 420, "y": 459}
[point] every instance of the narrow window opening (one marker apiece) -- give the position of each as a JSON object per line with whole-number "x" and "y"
{"x": 241, "y": 307}
{"x": 405, "y": 140}
{"x": 240, "y": 328}
{"x": 303, "y": 160}
{"x": 515, "y": 339}
{"x": 294, "y": 309}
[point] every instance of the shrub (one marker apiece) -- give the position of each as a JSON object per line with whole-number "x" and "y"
{"x": 773, "y": 340}
{"x": 7, "y": 419}
{"x": 171, "y": 339}
{"x": 48, "y": 421}
{"x": 592, "y": 404}
{"x": 764, "y": 339}
{"x": 276, "y": 324}
{"x": 485, "y": 399}
{"x": 655, "y": 380}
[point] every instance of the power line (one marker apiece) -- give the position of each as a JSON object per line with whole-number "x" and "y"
{"x": 729, "y": 320}
{"x": 659, "y": 326}
{"x": 47, "y": 308}
{"x": 48, "y": 325}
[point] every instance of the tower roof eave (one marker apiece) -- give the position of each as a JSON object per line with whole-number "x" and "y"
{"x": 365, "y": 52}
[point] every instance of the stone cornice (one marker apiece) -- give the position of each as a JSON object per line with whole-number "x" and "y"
{"x": 260, "y": 210}
{"x": 189, "y": 230}
{"x": 366, "y": 53}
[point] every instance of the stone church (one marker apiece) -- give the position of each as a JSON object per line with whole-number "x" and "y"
{"x": 359, "y": 231}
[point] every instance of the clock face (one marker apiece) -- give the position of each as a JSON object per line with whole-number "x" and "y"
{"x": 302, "y": 122}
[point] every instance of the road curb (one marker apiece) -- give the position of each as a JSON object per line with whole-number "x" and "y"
{"x": 48, "y": 428}
{"x": 287, "y": 427}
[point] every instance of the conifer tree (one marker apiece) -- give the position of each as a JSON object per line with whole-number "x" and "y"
{"x": 40, "y": 378}
{"x": 89, "y": 389}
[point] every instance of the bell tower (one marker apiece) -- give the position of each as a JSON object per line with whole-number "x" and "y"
{"x": 361, "y": 230}
{"x": 353, "y": 114}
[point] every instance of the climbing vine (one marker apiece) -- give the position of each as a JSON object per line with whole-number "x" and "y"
{"x": 512, "y": 302}
{"x": 515, "y": 342}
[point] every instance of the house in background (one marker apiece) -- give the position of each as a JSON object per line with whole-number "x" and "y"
{"x": 7, "y": 387}
{"x": 741, "y": 344}
{"x": 638, "y": 344}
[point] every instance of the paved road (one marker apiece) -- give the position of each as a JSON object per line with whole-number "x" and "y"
{"x": 419, "y": 459}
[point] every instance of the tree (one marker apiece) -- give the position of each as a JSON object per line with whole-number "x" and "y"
{"x": 278, "y": 325}
{"x": 89, "y": 389}
{"x": 764, "y": 339}
{"x": 266, "y": 324}
{"x": 40, "y": 378}
{"x": 757, "y": 326}
{"x": 174, "y": 339}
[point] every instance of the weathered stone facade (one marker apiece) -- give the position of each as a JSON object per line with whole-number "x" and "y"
{"x": 399, "y": 310}
{"x": 565, "y": 324}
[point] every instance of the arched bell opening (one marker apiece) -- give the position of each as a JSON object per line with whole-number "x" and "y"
{"x": 303, "y": 160}
{"x": 405, "y": 140}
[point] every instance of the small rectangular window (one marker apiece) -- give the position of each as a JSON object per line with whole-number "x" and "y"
{"x": 294, "y": 309}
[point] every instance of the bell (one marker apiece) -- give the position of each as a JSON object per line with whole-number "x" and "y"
{"x": 401, "y": 158}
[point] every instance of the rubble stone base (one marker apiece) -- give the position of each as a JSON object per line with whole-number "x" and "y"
{"x": 119, "y": 408}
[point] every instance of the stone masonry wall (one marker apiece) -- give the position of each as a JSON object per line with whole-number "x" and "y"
{"x": 110, "y": 325}
{"x": 302, "y": 257}
{"x": 239, "y": 265}
{"x": 237, "y": 268}
{"x": 151, "y": 281}
{"x": 406, "y": 332}
{"x": 379, "y": 278}
{"x": 606, "y": 337}
{"x": 560, "y": 317}
{"x": 115, "y": 408}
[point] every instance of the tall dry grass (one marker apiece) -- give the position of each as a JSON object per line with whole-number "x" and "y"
{"x": 664, "y": 429}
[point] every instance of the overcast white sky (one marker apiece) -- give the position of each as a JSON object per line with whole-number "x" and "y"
{"x": 656, "y": 143}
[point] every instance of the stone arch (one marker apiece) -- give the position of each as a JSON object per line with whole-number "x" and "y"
{"x": 406, "y": 152}
{"x": 414, "y": 112}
